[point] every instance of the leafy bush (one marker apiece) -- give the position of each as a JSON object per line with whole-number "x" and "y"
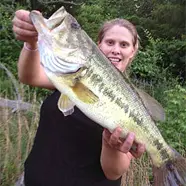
{"x": 10, "y": 47}
{"x": 90, "y": 17}
{"x": 174, "y": 128}
{"x": 173, "y": 57}
{"x": 10, "y": 50}
{"x": 161, "y": 59}
{"x": 145, "y": 64}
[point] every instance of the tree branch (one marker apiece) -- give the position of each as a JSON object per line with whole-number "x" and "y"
{"x": 15, "y": 105}
{"x": 59, "y": 1}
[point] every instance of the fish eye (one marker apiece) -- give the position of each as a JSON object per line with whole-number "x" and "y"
{"x": 75, "y": 25}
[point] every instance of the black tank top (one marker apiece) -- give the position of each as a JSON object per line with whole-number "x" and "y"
{"x": 66, "y": 150}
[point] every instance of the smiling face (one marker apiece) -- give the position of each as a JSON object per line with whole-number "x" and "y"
{"x": 117, "y": 43}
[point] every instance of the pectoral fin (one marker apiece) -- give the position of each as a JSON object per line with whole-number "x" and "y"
{"x": 84, "y": 94}
{"x": 80, "y": 90}
{"x": 72, "y": 78}
{"x": 65, "y": 105}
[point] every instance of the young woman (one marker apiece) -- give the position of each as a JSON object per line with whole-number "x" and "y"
{"x": 74, "y": 150}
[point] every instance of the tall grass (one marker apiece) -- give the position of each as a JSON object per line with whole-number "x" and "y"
{"x": 139, "y": 174}
{"x": 17, "y": 130}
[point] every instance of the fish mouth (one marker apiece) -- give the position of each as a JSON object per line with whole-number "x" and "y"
{"x": 52, "y": 23}
{"x": 56, "y": 35}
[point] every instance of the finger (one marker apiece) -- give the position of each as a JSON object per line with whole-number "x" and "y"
{"x": 22, "y": 24}
{"x": 26, "y": 39}
{"x": 127, "y": 144}
{"x": 23, "y": 15}
{"x": 106, "y": 135}
{"x": 24, "y": 33}
{"x": 139, "y": 151}
{"x": 107, "y": 132}
{"x": 114, "y": 138}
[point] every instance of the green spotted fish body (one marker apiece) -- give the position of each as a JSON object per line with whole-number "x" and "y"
{"x": 87, "y": 79}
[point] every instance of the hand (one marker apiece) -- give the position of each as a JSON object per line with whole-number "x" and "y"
{"x": 23, "y": 28}
{"x": 113, "y": 140}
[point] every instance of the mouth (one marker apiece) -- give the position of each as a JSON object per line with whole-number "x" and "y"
{"x": 114, "y": 60}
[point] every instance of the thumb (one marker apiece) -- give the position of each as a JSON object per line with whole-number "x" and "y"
{"x": 24, "y": 15}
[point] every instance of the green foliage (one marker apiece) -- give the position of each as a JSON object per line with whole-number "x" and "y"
{"x": 174, "y": 128}
{"x": 164, "y": 19}
{"x": 6, "y": 89}
{"x": 10, "y": 50}
{"x": 161, "y": 57}
{"x": 90, "y": 17}
{"x": 171, "y": 23}
{"x": 10, "y": 47}
{"x": 173, "y": 57}
{"x": 145, "y": 64}
{"x": 17, "y": 131}
{"x": 48, "y": 7}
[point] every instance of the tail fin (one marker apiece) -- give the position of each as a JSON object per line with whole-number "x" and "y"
{"x": 172, "y": 173}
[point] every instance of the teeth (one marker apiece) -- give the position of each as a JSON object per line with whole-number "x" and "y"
{"x": 114, "y": 59}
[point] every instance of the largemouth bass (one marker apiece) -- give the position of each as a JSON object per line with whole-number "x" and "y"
{"x": 87, "y": 79}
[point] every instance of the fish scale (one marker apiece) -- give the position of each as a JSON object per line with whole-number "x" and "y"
{"x": 94, "y": 81}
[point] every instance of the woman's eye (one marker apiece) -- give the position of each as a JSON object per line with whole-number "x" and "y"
{"x": 110, "y": 43}
{"x": 123, "y": 45}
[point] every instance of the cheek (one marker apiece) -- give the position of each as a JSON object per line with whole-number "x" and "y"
{"x": 128, "y": 53}
{"x": 105, "y": 49}
{"x": 122, "y": 66}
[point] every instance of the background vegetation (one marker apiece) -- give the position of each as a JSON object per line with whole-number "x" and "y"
{"x": 159, "y": 68}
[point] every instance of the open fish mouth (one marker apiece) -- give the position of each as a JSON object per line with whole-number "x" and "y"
{"x": 56, "y": 19}
{"x": 58, "y": 37}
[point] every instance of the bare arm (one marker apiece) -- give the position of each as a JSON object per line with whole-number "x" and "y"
{"x": 30, "y": 70}
{"x": 116, "y": 155}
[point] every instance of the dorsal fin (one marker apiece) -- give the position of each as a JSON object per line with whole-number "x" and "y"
{"x": 154, "y": 108}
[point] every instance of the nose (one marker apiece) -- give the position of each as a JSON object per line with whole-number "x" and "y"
{"x": 116, "y": 49}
